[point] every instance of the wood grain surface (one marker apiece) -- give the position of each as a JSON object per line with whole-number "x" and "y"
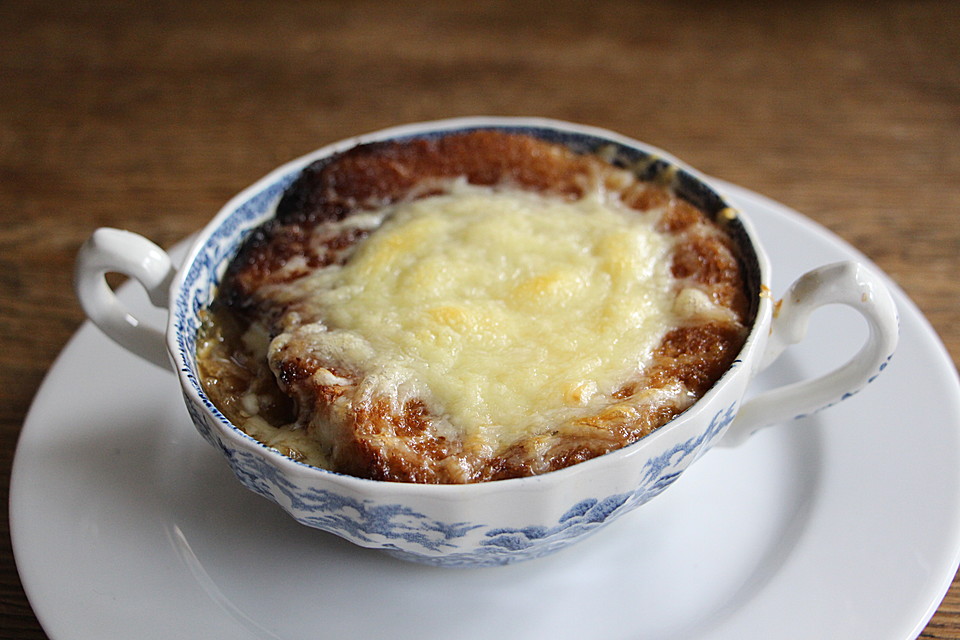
{"x": 150, "y": 115}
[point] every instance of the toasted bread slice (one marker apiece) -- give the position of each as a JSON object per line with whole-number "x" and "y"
{"x": 325, "y": 392}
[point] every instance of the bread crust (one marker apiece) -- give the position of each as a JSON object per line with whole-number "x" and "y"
{"x": 383, "y": 439}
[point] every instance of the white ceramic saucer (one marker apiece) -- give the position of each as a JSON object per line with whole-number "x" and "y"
{"x": 125, "y": 524}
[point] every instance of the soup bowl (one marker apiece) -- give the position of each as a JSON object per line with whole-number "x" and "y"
{"x": 502, "y": 521}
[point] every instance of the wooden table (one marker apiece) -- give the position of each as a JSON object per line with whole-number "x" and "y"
{"x": 150, "y": 115}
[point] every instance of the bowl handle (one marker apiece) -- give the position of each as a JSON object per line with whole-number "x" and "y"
{"x": 116, "y": 251}
{"x": 847, "y": 283}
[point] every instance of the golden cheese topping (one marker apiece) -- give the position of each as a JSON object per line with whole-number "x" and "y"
{"x": 474, "y": 307}
{"x": 503, "y": 310}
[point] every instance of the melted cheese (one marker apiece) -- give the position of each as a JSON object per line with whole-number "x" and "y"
{"x": 503, "y": 309}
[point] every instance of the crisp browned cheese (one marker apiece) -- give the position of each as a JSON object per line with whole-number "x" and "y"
{"x": 477, "y": 307}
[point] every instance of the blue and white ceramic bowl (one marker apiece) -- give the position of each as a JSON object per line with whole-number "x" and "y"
{"x": 508, "y": 520}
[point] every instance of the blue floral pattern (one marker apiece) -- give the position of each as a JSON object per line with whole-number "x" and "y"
{"x": 411, "y": 535}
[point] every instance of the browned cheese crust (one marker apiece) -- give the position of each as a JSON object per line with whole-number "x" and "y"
{"x": 368, "y": 439}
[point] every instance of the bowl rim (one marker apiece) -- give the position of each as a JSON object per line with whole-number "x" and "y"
{"x": 316, "y": 475}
